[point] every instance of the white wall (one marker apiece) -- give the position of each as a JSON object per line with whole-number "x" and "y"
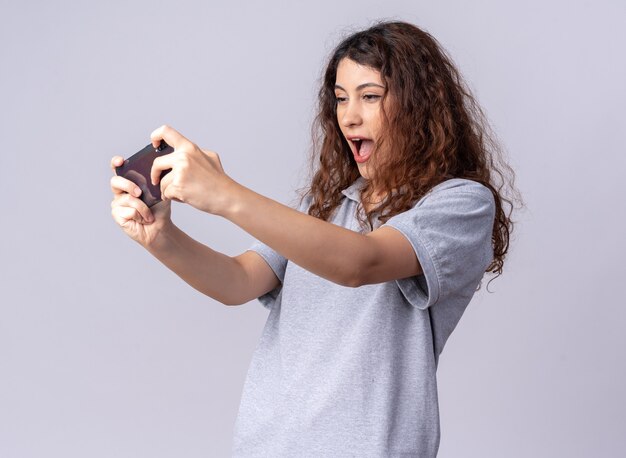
{"x": 106, "y": 353}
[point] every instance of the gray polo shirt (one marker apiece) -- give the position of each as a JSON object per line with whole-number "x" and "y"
{"x": 351, "y": 372}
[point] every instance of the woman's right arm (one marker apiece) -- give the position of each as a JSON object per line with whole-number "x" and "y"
{"x": 229, "y": 280}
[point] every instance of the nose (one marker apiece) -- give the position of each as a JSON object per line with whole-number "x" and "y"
{"x": 351, "y": 115}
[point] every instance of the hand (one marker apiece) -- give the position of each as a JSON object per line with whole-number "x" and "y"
{"x": 141, "y": 223}
{"x": 196, "y": 177}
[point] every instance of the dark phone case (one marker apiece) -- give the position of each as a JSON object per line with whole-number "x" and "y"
{"x": 137, "y": 169}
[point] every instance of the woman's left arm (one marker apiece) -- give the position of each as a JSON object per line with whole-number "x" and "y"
{"x": 325, "y": 249}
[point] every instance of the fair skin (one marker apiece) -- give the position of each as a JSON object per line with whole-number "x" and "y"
{"x": 197, "y": 178}
{"x": 359, "y": 91}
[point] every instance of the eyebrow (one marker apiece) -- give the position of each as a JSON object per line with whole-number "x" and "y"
{"x": 361, "y": 86}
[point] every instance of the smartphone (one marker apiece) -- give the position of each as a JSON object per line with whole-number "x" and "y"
{"x": 137, "y": 169}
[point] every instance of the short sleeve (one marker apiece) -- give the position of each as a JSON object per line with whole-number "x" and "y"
{"x": 276, "y": 261}
{"x": 450, "y": 230}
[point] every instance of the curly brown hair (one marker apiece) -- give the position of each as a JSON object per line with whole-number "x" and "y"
{"x": 434, "y": 127}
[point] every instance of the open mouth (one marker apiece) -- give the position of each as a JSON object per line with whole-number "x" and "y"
{"x": 363, "y": 147}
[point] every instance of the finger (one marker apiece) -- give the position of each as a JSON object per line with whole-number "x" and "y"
{"x": 164, "y": 183}
{"x": 122, "y": 215}
{"x": 171, "y": 136}
{"x": 121, "y": 185}
{"x": 160, "y": 164}
{"x": 170, "y": 192}
{"x": 131, "y": 211}
{"x": 116, "y": 161}
{"x": 138, "y": 204}
{"x": 168, "y": 195}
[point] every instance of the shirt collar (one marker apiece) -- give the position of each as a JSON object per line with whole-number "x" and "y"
{"x": 354, "y": 190}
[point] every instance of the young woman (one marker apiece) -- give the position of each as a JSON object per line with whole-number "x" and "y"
{"x": 366, "y": 280}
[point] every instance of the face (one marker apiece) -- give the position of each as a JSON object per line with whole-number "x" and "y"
{"x": 359, "y": 91}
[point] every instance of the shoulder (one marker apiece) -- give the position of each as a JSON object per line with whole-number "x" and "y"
{"x": 457, "y": 201}
{"x": 459, "y": 186}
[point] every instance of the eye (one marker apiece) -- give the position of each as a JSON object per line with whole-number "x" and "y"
{"x": 340, "y": 99}
{"x": 371, "y": 97}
